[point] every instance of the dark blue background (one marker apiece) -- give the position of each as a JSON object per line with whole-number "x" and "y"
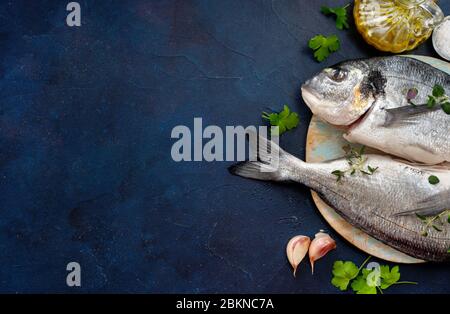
{"x": 86, "y": 173}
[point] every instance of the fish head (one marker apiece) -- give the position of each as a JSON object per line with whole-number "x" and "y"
{"x": 342, "y": 93}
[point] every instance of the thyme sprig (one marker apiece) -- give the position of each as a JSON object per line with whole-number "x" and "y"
{"x": 356, "y": 162}
{"x": 436, "y": 222}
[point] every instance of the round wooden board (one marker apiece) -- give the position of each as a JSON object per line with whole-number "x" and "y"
{"x": 325, "y": 142}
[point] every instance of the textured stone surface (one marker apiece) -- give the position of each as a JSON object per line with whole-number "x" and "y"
{"x": 85, "y": 168}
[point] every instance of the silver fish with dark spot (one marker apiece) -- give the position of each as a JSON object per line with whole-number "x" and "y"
{"x": 370, "y": 97}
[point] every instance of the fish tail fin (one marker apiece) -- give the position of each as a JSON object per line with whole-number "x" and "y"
{"x": 272, "y": 164}
{"x": 256, "y": 170}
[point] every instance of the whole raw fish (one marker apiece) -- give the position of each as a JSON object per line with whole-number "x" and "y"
{"x": 370, "y": 97}
{"x": 383, "y": 203}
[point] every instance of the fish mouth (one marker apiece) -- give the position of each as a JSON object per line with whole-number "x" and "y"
{"x": 311, "y": 98}
{"x": 316, "y": 104}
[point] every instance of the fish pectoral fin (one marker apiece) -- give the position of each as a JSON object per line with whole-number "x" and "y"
{"x": 406, "y": 114}
{"x": 430, "y": 206}
{"x": 430, "y": 166}
{"x": 419, "y": 211}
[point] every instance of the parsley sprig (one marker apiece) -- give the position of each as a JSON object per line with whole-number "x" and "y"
{"x": 285, "y": 120}
{"x": 356, "y": 162}
{"x": 363, "y": 280}
{"x": 324, "y": 46}
{"x": 340, "y": 13}
{"x": 344, "y": 272}
{"x": 438, "y": 97}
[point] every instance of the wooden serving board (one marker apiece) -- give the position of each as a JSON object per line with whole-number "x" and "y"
{"x": 325, "y": 142}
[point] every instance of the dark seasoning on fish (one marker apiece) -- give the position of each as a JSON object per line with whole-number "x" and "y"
{"x": 369, "y": 97}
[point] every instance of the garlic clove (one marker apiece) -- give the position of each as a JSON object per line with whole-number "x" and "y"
{"x": 296, "y": 250}
{"x": 320, "y": 246}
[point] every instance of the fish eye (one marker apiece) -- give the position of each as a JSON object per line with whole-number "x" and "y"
{"x": 338, "y": 75}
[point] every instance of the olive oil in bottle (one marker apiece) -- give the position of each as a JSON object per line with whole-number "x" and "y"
{"x": 396, "y": 25}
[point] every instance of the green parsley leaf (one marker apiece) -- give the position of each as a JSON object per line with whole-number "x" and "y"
{"x": 446, "y": 107}
{"x": 389, "y": 277}
{"x": 323, "y": 46}
{"x": 431, "y": 101}
{"x": 433, "y": 180}
{"x": 341, "y": 15}
{"x": 373, "y": 277}
{"x": 285, "y": 120}
{"x": 438, "y": 91}
{"x": 359, "y": 285}
{"x": 363, "y": 286}
{"x": 343, "y": 273}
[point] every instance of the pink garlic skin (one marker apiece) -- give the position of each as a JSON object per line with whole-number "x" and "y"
{"x": 320, "y": 246}
{"x": 296, "y": 250}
